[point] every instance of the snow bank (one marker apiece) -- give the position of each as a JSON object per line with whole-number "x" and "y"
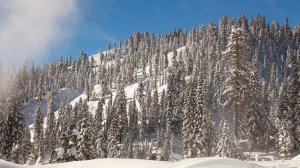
{"x": 103, "y": 163}
{"x": 213, "y": 162}
{"x": 5, "y": 164}
{"x": 296, "y": 158}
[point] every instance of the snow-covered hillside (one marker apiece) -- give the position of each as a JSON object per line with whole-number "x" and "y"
{"x": 63, "y": 95}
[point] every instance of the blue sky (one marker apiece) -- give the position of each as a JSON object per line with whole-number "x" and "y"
{"x": 92, "y": 24}
{"x": 104, "y": 21}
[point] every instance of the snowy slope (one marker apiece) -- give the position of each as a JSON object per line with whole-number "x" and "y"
{"x": 213, "y": 162}
{"x": 64, "y": 94}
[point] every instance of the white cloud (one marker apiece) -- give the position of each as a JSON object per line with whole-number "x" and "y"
{"x": 29, "y": 28}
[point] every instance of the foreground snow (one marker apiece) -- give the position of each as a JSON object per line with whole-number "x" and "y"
{"x": 103, "y": 163}
{"x": 213, "y": 162}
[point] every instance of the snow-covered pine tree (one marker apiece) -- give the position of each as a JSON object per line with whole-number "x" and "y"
{"x": 16, "y": 154}
{"x": 85, "y": 145}
{"x": 256, "y": 116}
{"x": 202, "y": 123}
{"x": 50, "y": 137}
{"x": 293, "y": 89}
{"x": 38, "y": 136}
{"x": 133, "y": 118}
{"x": 283, "y": 114}
{"x": 187, "y": 129}
{"x": 14, "y": 126}
{"x": 85, "y": 141}
{"x": 237, "y": 51}
{"x": 297, "y": 106}
{"x": 120, "y": 103}
{"x": 72, "y": 151}
{"x": 101, "y": 145}
{"x": 167, "y": 149}
{"x": 225, "y": 146}
{"x": 98, "y": 131}
{"x": 112, "y": 146}
{"x": 97, "y": 123}
{"x": 153, "y": 111}
{"x": 26, "y": 145}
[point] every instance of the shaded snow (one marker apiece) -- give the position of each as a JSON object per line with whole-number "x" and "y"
{"x": 65, "y": 95}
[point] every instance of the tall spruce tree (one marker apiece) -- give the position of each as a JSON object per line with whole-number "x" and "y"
{"x": 235, "y": 85}
{"x": 256, "y": 116}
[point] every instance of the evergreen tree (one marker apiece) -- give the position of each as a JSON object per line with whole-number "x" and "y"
{"x": 255, "y": 115}
{"x": 238, "y": 51}
{"x": 225, "y": 146}
{"x": 283, "y": 113}
{"x": 50, "y": 137}
{"x": 167, "y": 149}
{"x": 187, "y": 129}
{"x": 121, "y": 113}
{"x": 85, "y": 145}
{"x": 38, "y": 130}
{"x": 14, "y": 126}
{"x": 203, "y": 128}
{"x": 112, "y": 146}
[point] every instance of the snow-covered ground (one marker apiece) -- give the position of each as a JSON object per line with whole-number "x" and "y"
{"x": 212, "y": 162}
{"x": 103, "y": 163}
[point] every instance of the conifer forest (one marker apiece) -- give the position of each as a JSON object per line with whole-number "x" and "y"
{"x": 224, "y": 89}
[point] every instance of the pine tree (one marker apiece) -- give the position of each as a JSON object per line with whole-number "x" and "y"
{"x": 16, "y": 155}
{"x": 74, "y": 137}
{"x": 238, "y": 51}
{"x": 256, "y": 116}
{"x": 285, "y": 139}
{"x": 225, "y": 146}
{"x": 188, "y": 127}
{"x": 112, "y": 146}
{"x": 85, "y": 145}
{"x": 98, "y": 117}
{"x": 26, "y": 145}
{"x": 38, "y": 130}
{"x": 14, "y": 126}
{"x": 121, "y": 113}
{"x": 203, "y": 128}
{"x": 293, "y": 94}
{"x": 50, "y": 137}
{"x": 285, "y": 136}
{"x": 166, "y": 154}
{"x": 101, "y": 145}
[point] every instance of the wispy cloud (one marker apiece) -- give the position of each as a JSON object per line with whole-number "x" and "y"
{"x": 29, "y": 28}
{"x": 100, "y": 34}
